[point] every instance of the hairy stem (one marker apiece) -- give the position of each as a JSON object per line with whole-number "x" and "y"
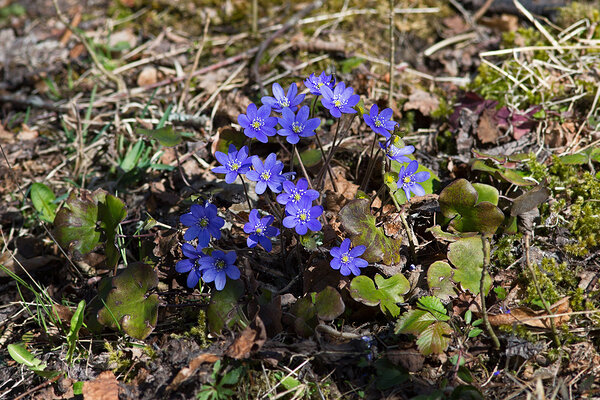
{"x": 370, "y": 165}
{"x": 536, "y": 283}
{"x": 411, "y": 239}
{"x": 246, "y": 193}
{"x": 484, "y": 271}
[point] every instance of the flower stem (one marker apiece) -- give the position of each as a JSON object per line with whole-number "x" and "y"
{"x": 302, "y": 167}
{"x": 246, "y": 193}
{"x": 536, "y": 283}
{"x": 330, "y": 155}
{"x": 411, "y": 238}
{"x": 484, "y": 272}
{"x": 329, "y": 170}
{"x": 370, "y": 165}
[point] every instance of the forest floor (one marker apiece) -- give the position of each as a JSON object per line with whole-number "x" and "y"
{"x": 132, "y": 98}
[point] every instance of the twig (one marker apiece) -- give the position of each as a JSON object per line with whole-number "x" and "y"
{"x": 38, "y": 387}
{"x": 547, "y": 307}
{"x": 333, "y": 332}
{"x": 484, "y": 272}
{"x": 539, "y": 26}
{"x": 449, "y": 41}
{"x": 121, "y": 87}
{"x": 482, "y": 10}
{"x": 194, "y": 66}
{"x": 293, "y": 21}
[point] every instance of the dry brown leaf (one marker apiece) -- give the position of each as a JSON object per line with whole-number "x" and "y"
{"x": 528, "y": 317}
{"x": 190, "y": 370}
{"x": 504, "y": 22}
{"x": 27, "y": 133}
{"x": 104, "y": 387}
{"x": 487, "y": 131}
{"x": 422, "y": 101}
{"x": 250, "y": 339}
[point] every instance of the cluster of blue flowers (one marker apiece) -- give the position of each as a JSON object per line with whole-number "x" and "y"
{"x": 298, "y": 198}
{"x": 203, "y": 223}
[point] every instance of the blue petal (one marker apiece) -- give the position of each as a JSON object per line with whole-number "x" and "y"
{"x": 184, "y": 266}
{"x": 220, "y": 280}
{"x": 192, "y": 279}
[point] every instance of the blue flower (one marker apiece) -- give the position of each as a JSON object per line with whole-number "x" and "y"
{"x": 340, "y": 100}
{"x": 395, "y": 153}
{"x": 303, "y": 216}
{"x": 257, "y": 123}
{"x": 268, "y": 174}
{"x": 380, "y": 123}
{"x": 234, "y": 163}
{"x": 408, "y": 179}
{"x": 190, "y": 264}
{"x": 294, "y": 193}
{"x": 281, "y": 100}
{"x": 218, "y": 266}
{"x": 346, "y": 259}
{"x": 315, "y": 83}
{"x": 295, "y": 126}
{"x": 260, "y": 231}
{"x": 203, "y": 222}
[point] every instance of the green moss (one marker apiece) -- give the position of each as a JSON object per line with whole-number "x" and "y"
{"x": 576, "y": 192}
{"x": 576, "y": 11}
{"x": 504, "y": 251}
{"x": 117, "y": 357}
{"x": 556, "y": 281}
{"x": 199, "y": 331}
{"x": 444, "y": 110}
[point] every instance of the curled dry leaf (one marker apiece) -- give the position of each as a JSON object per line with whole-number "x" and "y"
{"x": 104, "y": 387}
{"x": 250, "y": 339}
{"x": 528, "y": 317}
{"x": 190, "y": 370}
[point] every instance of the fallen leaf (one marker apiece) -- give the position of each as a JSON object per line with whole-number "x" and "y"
{"x": 528, "y": 317}
{"x": 504, "y": 22}
{"x": 27, "y": 133}
{"x": 422, "y": 101}
{"x": 190, "y": 370}
{"x": 250, "y": 339}
{"x": 487, "y": 131}
{"x": 104, "y": 387}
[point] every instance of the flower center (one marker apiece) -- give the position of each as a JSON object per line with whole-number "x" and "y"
{"x": 257, "y": 123}
{"x": 203, "y": 222}
{"x": 220, "y": 265}
{"x": 265, "y": 176}
{"x": 284, "y": 102}
{"x": 303, "y": 216}
{"x": 345, "y": 258}
{"x": 297, "y": 128}
{"x": 297, "y": 197}
{"x": 259, "y": 228}
{"x": 338, "y": 102}
{"x": 319, "y": 84}
{"x": 234, "y": 165}
{"x": 378, "y": 122}
{"x": 407, "y": 180}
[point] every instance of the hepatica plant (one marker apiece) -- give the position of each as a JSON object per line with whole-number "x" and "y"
{"x": 290, "y": 209}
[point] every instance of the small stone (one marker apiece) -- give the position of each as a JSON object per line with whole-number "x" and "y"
{"x": 148, "y": 76}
